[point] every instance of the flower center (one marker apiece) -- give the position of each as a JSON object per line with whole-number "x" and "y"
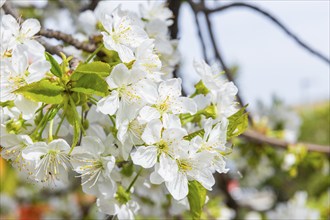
{"x": 136, "y": 128}
{"x": 184, "y": 165}
{"x": 163, "y": 106}
{"x": 162, "y": 146}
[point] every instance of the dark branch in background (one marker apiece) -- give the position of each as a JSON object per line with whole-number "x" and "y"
{"x": 91, "y": 6}
{"x": 174, "y": 6}
{"x": 200, "y": 7}
{"x": 222, "y": 182}
{"x": 218, "y": 54}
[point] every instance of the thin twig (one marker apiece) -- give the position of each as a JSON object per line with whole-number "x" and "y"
{"x": 200, "y": 7}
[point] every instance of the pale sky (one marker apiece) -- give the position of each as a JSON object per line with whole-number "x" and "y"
{"x": 270, "y": 62}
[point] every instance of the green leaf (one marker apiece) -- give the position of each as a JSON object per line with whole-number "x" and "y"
{"x": 42, "y": 91}
{"x": 189, "y": 137}
{"x": 91, "y": 84}
{"x": 238, "y": 123}
{"x": 196, "y": 198}
{"x": 74, "y": 119}
{"x": 55, "y": 69}
{"x": 201, "y": 88}
{"x": 99, "y": 68}
{"x": 8, "y": 104}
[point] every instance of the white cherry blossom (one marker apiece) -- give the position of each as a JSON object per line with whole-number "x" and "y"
{"x": 123, "y": 35}
{"x": 20, "y": 73}
{"x": 168, "y": 100}
{"x": 19, "y": 34}
{"x": 156, "y": 10}
{"x": 13, "y": 145}
{"x": 51, "y": 160}
{"x": 112, "y": 206}
{"x": 94, "y": 164}
{"x": 126, "y": 86}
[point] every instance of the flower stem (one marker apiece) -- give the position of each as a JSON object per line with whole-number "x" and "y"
{"x": 50, "y": 131}
{"x": 94, "y": 53}
{"x": 59, "y": 126}
{"x": 41, "y": 124}
{"x": 134, "y": 180}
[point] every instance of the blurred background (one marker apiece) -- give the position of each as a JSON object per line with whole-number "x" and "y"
{"x": 286, "y": 87}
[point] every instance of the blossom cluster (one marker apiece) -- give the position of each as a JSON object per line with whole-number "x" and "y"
{"x": 136, "y": 130}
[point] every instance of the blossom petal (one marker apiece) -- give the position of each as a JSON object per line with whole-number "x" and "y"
{"x": 168, "y": 167}
{"x": 205, "y": 178}
{"x": 152, "y": 132}
{"x": 59, "y": 144}
{"x": 178, "y": 187}
{"x": 148, "y": 114}
{"x": 10, "y": 23}
{"x": 93, "y": 145}
{"x": 35, "y": 151}
{"x": 145, "y": 156}
{"x": 109, "y": 104}
{"x": 155, "y": 178}
{"x": 120, "y": 75}
{"x": 107, "y": 205}
{"x": 30, "y": 27}
{"x": 37, "y": 71}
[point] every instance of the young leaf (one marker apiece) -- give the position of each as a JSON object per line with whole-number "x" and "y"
{"x": 91, "y": 84}
{"x": 238, "y": 123}
{"x": 55, "y": 69}
{"x": 196, "y": 198}
{"x": 190, "y": 136}
{"x": 74, "y": 119}
{"x": 99, "y": 68}
{"x": 42, "y": 91}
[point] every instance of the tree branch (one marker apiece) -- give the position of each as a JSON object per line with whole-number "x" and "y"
{"x": 58, "y": 49}
{"x": 174, "y": 6}
{"x": 259, "y": 138}
{"x": 218, "y": 55}
{"x": 200, "y": 7}
{"x": 67, "y": 38}
{"x": 9, "y": 10}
